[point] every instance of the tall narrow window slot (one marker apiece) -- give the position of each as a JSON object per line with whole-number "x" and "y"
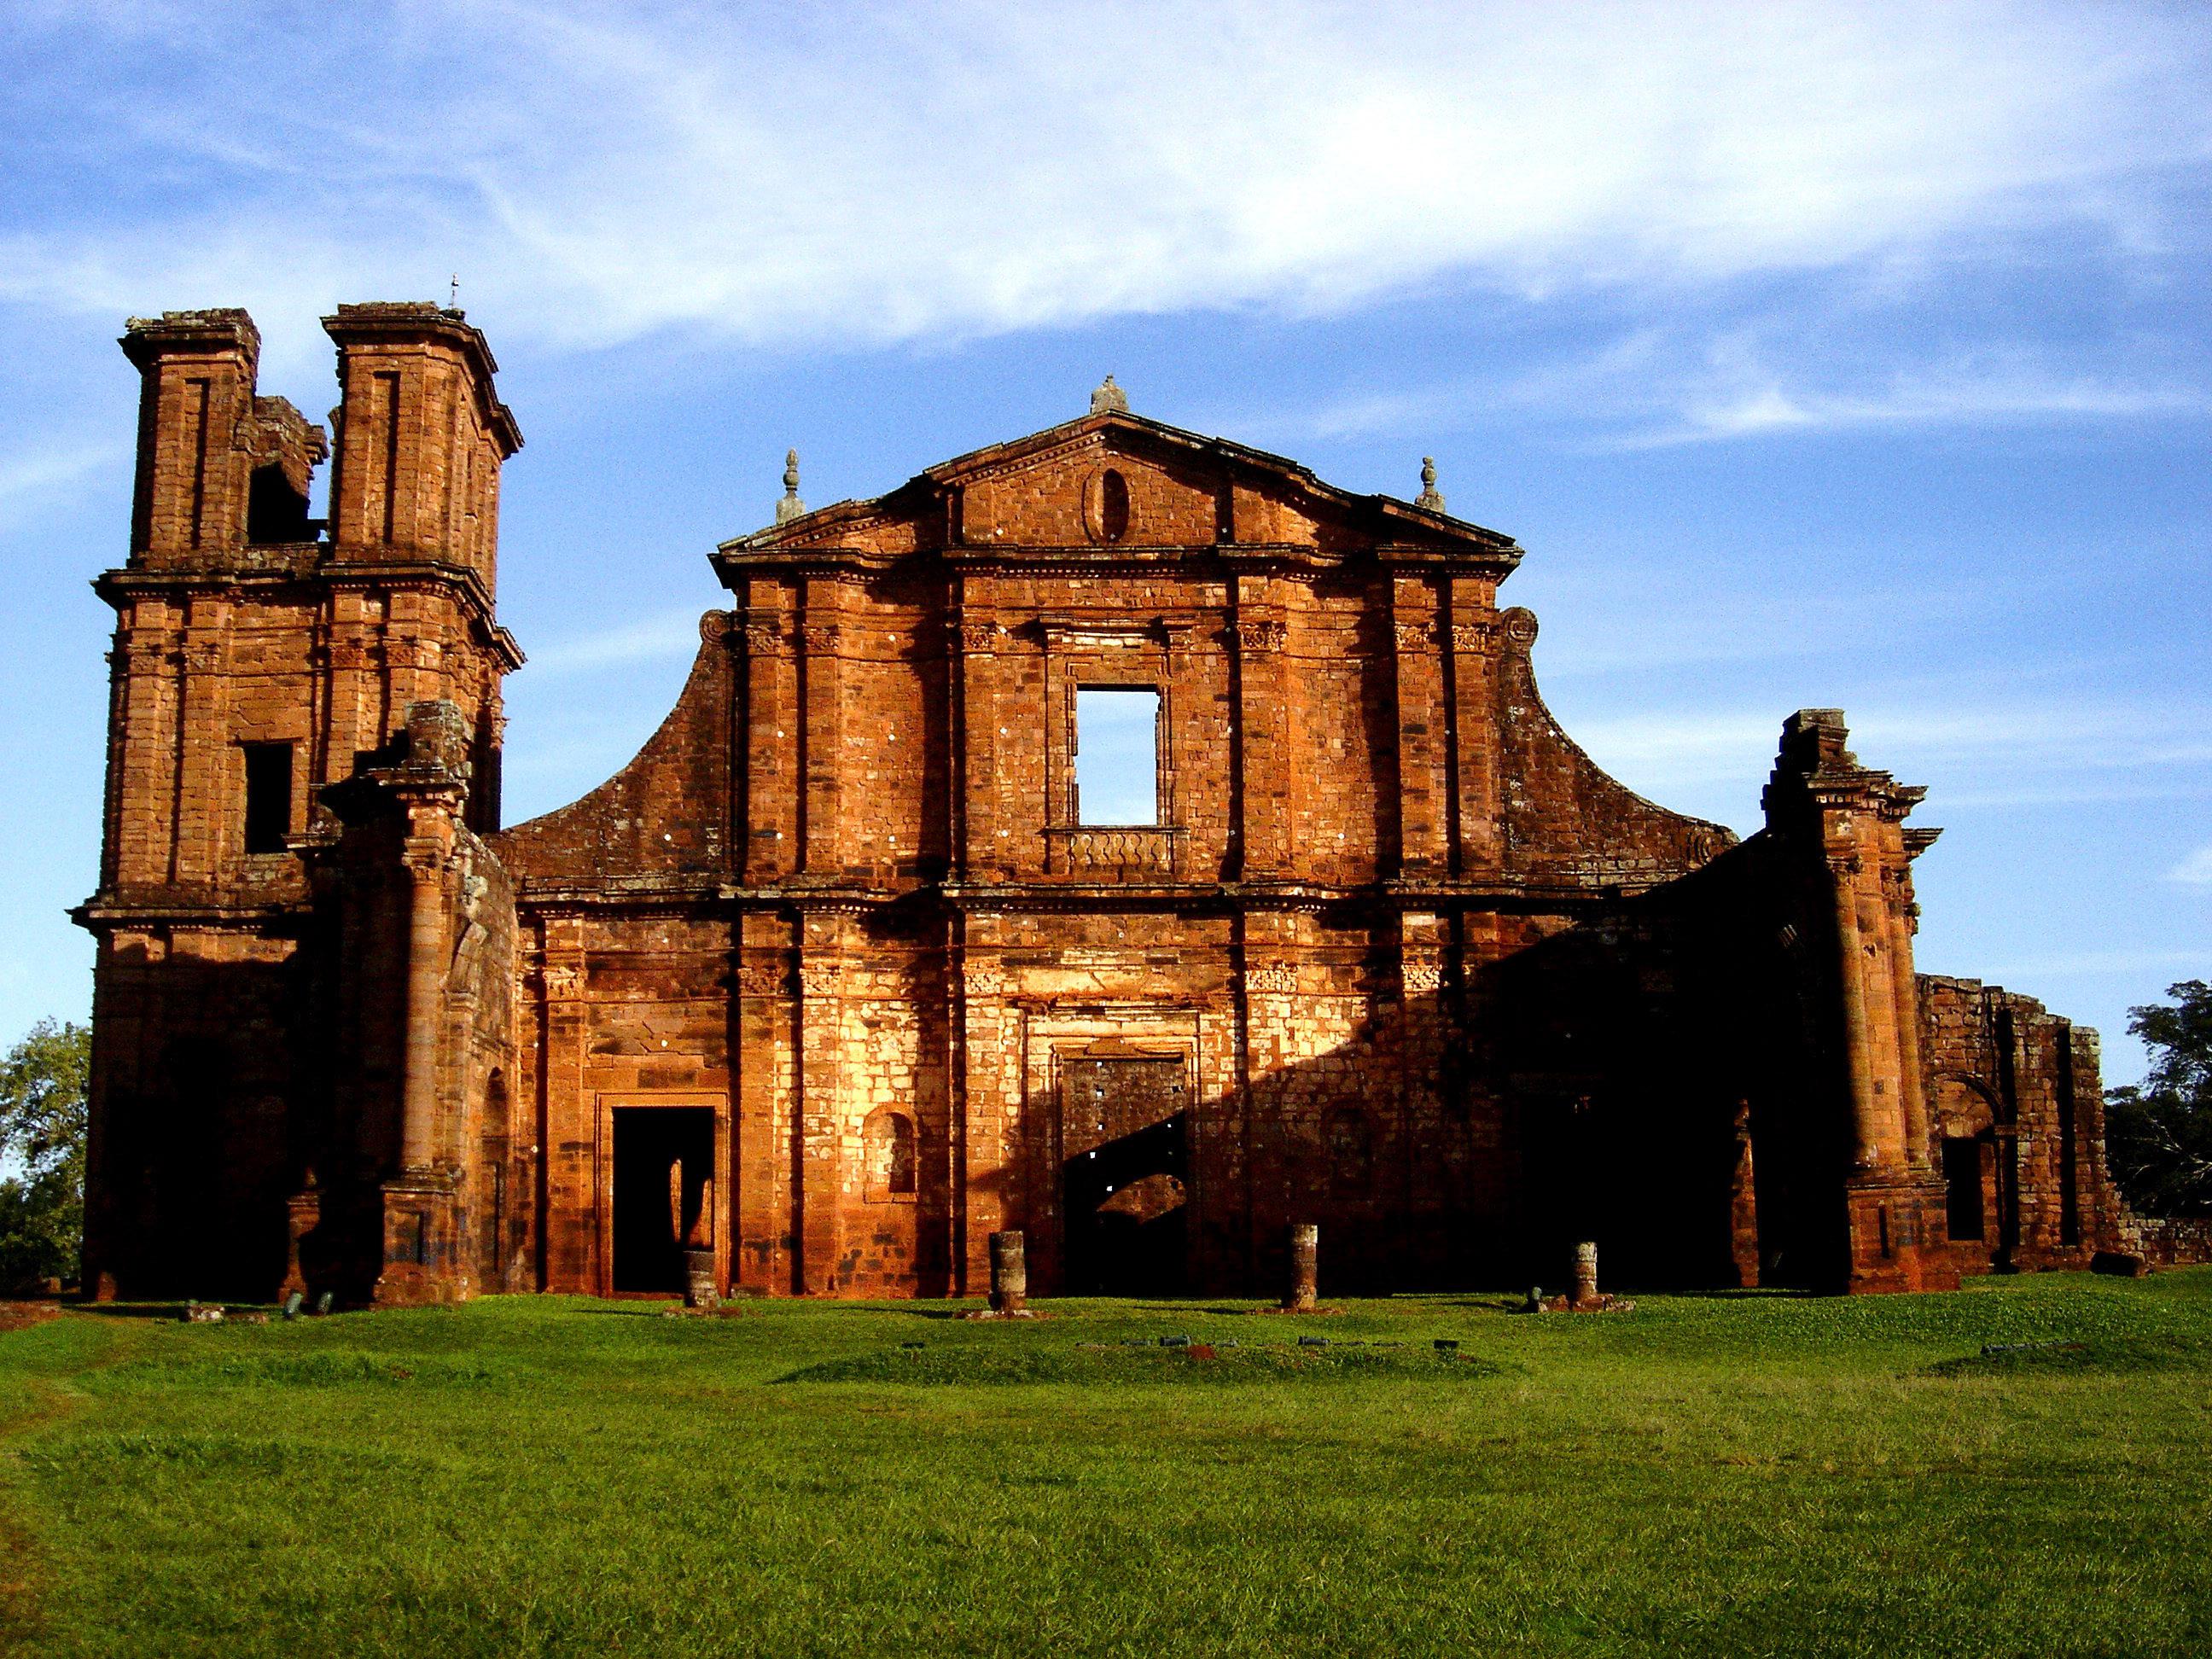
{"x": 1117, "y": 755}
{"x": 268, "y": 796}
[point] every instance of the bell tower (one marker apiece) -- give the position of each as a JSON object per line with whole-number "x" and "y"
{"x": 259, "y": 655}
{"x": 413, "y": 559}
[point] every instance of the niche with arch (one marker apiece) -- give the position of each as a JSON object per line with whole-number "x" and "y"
{"x": 887, "y": 1142}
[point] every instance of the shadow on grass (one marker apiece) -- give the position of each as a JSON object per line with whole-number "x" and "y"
{"x": 2098, "y": 1356}
{"x": 1089, "y": 1364}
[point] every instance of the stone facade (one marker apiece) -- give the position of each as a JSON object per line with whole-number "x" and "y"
{"x": 836, "y": 979}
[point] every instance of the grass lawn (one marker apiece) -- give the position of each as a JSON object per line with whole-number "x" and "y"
{"x": 1758, "y": 1474}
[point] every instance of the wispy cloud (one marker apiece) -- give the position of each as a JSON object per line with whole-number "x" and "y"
{"x": 2195, "y": 871}
{"x": 1979, "y": 753}
{"x": 673, "y": 634}
{"x": 891, "y": 174}
{"x": 30, "y": 477}
{"x": 2087, "y": 964}
{"x": 1764, "y": 404}
{"x": 1784, "y": 375}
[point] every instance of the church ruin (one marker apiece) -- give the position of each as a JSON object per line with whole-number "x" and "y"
{"x": 841, "y": 974}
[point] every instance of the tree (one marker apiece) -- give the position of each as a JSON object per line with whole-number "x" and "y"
{"x": 42, "y": 1121}
{"x": 2157, "y": 1138}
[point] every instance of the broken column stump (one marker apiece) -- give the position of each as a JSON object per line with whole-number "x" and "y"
{"x": 1010, "y": 1274}
{"x": 1585, "y": 1272}
{"x": 699, "y": 1279}
{"x": 1305, "y": 1269}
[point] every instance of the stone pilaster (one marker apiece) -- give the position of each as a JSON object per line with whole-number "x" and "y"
{"x": 822, "y": 1107}
{"x": 1420, "y": 713}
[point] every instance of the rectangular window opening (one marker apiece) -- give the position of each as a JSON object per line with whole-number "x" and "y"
{"x": 268, "y": 796}
{"x": 1117, "y": 750}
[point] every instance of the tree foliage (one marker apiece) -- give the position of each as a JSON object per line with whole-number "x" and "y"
{"x": 2159, "y": 1137}
{"x": 42, "y": 1125}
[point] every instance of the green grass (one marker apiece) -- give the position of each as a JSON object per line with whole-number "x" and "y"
{"x": 1748, "y": 1474}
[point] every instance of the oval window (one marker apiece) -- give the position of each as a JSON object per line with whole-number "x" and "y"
{"x": 1113, "y": 508}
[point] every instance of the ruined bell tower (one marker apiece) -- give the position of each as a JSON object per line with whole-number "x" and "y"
{"x": 261, "y": 655}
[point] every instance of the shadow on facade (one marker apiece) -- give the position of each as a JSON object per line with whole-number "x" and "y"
{"x": 1654, "y": 1076}
{"x": 200, "y": 1144}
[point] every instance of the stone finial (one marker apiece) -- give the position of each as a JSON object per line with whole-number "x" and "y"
{"x": 1109, "y": 396}
{"x": 1429, "y": 496}
{"x": 790, "y": 506}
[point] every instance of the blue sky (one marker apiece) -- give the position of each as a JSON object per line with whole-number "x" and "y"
{"x": 1850, "y": 356}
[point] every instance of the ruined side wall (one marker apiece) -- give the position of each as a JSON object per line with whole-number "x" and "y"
{"x": 2019, "y": 1086}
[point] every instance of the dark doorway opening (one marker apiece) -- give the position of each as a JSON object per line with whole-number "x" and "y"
{"x": 663, "y": 1170}
{"x": 1962, "y": 1188}
{"x": 1124, "y": 1183}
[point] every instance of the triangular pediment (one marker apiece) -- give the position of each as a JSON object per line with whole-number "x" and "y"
{"x": 1113, "y": 484}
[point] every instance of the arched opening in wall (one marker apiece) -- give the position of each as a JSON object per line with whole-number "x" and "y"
{"x": 888, "y": 1145}
{"x": 662, "y": 1194}
{"x": 1966, "y": 1115}
{"x": 1124, "y": 1171}
{"x": 1349, "y": 1145}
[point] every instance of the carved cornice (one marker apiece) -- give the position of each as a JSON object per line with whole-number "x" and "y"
{"x": 1022, "y": 463}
